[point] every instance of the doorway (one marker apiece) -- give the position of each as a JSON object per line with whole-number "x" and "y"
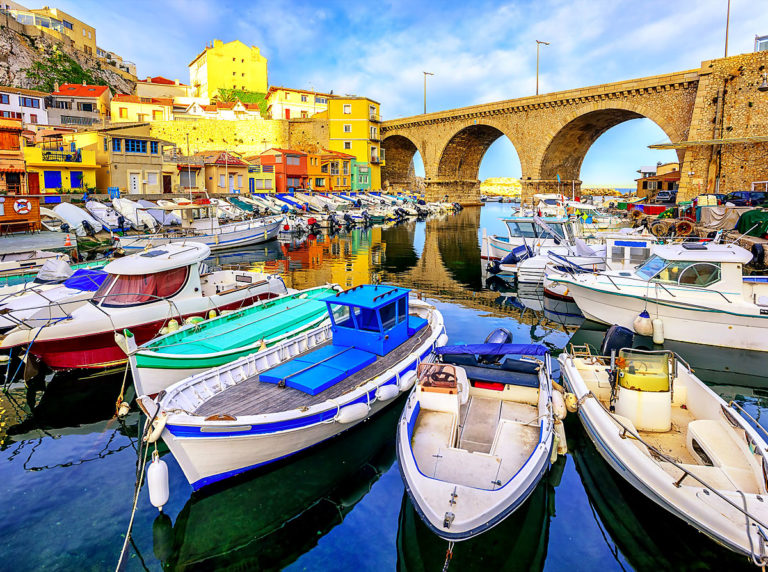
{"x": 33, "y": 182}
{"x": 167, "y": 184}
{"x": 133, "y": 183}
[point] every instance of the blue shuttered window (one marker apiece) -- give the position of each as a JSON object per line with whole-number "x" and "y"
{"x": 52, "y": 179}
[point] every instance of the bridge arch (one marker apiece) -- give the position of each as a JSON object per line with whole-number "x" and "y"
{"x": 399, "y": 151}
{"x": 568, "y": 146}
{"x": 462, "y": 154}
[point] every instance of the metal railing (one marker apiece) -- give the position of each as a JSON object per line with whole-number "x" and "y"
{"x": 63, "y": 157}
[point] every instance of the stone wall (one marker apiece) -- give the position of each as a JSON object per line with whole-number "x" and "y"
{"x": 247, "y": 137}
{"x": 308, "y": 135}
{"x": 728, "y": 106}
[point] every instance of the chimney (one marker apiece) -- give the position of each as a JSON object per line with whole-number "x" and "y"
{"x": 84, "y": 82}
{"x": 56, "y": 86}
{"x": 175, "y": 82}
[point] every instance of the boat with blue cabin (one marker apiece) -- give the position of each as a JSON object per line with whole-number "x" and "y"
{"x": 239, "y": 416}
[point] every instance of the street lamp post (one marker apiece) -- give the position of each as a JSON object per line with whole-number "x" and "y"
{"x": 727, "y": 25}
{"x": 538, "y": 44}
{"x": 425, "y": 89}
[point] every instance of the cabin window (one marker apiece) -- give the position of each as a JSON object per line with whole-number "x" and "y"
{"x": 637, "y": 254}
{"x": 651, "y": 268}
{"x": 366, "y": 319}
{"x": 700, "y": 274}
{"x": 523, "y": 229}
{"x": 136, "y": 289}
{"x": 401, "y": 310}
{"x": 389, "y": 315}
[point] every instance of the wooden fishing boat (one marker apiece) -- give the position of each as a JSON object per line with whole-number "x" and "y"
{"x": 477, "y": 435}
{"x": 143, "y": 293}
{"x": 194, "y": 348}
{"x": 236, "y": 417}
{"x": 674, "y": 439}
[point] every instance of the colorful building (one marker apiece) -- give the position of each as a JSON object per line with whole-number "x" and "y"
{"x": 162, "y": 87}
{"x": 662, "y": 177}
{"x": 225, "y": 172}
{"x": 228, "y": 66}
{"x": 354, "y": 125}
{"x": 261, "y": 178}
{"x": 128, "y": 158}
{"x": 361, "y": 176}
{"x": 12, "y": 171}
{"x": 220, "y": 110}
{"x": 135, "y": 109}
{"x": 56, "y": 166}
{"x": 329, "y": 171}
{"x": 76, "y": 104}
{"x": 25, "y": 104}
{"x": 285, "y": 103}
{"x": 290, "y": 168}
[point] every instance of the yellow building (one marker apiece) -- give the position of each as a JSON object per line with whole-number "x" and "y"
{"x": 228, "y": 66}
{"x": 56, "y": 167}
{"x": 261, "y": 178}
{"x": 285, "y": 103}
{"x": 134, "y": 109}
{"x": 354, "y": 125}
{"x": 82, "y": 35}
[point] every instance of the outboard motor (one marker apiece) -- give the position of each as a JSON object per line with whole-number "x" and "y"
{"x": 615, "y": 338}
{"x": 497, "y": 336}
{"x": 400, "y": 213}
{"x": 312, "y": 225}
{"x": 120, "y": 222}
{"x": 518, "y": 254}
{"x": 457, "y": 207}
{"x": 88, "y": 228}
{"x": 422, "y": 202}
{"x": 333, "y": 222}
{"x": 366, "y": 218}
{"x": 359, "y": 203}
{"x": 349, "y": 220}
{"x": 65, "y": 227}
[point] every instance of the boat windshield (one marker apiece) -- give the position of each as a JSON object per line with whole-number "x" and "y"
{"x": 521, "y": 228}
{"x": 651, "y": 267}
{"x": 135, "y": 289}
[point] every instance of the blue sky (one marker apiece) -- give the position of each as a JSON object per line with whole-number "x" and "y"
{"x": 479, "y": 51}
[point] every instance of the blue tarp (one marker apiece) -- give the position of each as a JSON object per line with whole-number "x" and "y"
{"x": 84, "y": 279}
{"x": 494, "y": 349}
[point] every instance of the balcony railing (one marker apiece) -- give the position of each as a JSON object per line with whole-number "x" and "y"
{"x": 375, "y": 160}
{"x": 375, "y": 117}
{"x": 62, "y": 157}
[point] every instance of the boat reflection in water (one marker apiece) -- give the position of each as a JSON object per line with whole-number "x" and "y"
{"x": 519, "y": 542}
{"x": 649, "y": 537}
{"x": 266, "y": 519}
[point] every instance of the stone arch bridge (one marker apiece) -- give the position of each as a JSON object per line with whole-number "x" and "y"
{"x": 553, "y": 132}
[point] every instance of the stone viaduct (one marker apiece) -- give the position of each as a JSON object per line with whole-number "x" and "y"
{"x": 706, "y": 113}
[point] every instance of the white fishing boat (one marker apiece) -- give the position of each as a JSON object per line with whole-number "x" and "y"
{"x": 691, "y": 292}
{"x": 51, "y": 220}
{"x": 675, "y": 440}
{"x": 477, "y": 434}
{"x": 237, "y": 417}
{"x": 144, "y": 292}
{"x": 77, "y": 219}
{"x": 162, "y": 216}
{"x": 524, "y": 234}
{"x": 106, "y": 215}
{"x": 207, "y": 230}
{"x": 135, "y": 214}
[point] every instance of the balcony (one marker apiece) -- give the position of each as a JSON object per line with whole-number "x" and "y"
{"x": 62, "y": 157}
{"x": 375, "y": 117}
{"x": 375, "y": 160}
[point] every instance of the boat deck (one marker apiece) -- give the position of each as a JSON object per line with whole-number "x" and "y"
{"x": 253, "y": 397}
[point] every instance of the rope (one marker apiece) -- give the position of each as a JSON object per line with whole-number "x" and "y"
{"x": 122, "y": 390}
{"x": 448, "y": 556}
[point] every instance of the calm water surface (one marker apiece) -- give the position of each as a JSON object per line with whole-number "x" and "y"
{"x": 67, "y": 467}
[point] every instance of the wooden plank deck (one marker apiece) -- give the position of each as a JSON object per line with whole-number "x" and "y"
{"x": 252, "y": 397}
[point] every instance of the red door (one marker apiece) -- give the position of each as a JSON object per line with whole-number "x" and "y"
{"x": 33, "y": 182}
{"x": 287, "y": 113}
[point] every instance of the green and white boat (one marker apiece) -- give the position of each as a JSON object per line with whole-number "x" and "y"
{"x": 161, "y": 362}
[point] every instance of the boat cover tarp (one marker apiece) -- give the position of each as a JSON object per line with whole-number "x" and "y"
{"x": 753, "y": 223}
{"x": 84, "y": 279}
{"x": 289, "y": 199}
{"x": 493, "y": 375}
{"x": 54, "y": 270}
{"x": 494, "y": 349}
{"x": 165, "y": 218}
{"x": 320, "y": 369}
{"x": 242, "y": 205}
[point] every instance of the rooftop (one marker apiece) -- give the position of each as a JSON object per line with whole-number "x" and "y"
{"x": 275, "y": 88}
{"x": 704, "y": 252}
{"x": 20, "y": 91}
{"x": 80, "y": 90}
{"x": 368, "y": 296}
{"x": 160, "y": 80}
{"x": 166, "y": 101}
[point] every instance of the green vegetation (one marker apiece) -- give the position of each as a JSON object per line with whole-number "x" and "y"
{"x": 58, "y": 67}
{"x": 245, "y": 97}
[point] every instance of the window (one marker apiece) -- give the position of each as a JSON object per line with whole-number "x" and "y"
{"x": 63, "y": 104}
{"x": 105, "y": 143}
{"x": 294, "y": 182}
{"x": 123, "y": 112}
{"x": 153, "y": 147}
{"x": 4, "y": 98}
{"x": 135, "y": 289}
{"x": 222, "y": 182}
{"x": 83, "y": 32}
{"x": 347, "y": 108}
{"x": 67, "y": 25}
{"x": 242, "y": 75}
{"x": 304, "y": 114}
{"x": 388, "y": 315}
{"x": 345, "y": 169}
{"x": 700, "y": 274}
{"x": 85, "y": 106}
{"x": 187, "y": 179}
{"x": 321, "y": 100}
{"x": 116, "y": 145}
{"x": 303, "y": 98}
{"x": 761, "y": 44}
{"x": 32, "y": 118}
{"x": 347, "y": 144}
{"x": 29, "y": 102}
{"x": 268, "y": 184}
{"x": 157, "y": 114}
{"x": 52, "y": 179}
{"x": 373, "y": 133}
{"x": 338, "y": 181}
{"x": 135, "y": 146}
{"x": 347, "y": 128}
{"x": 651, "y": 267}
{"x": 319, "y": 182}
{"x": 278, "y": 158}
{"x": 152, "y": 177}
{"x": 239, "y": 181}
{"x": 89, "y": 35}
{"x": 344, "y": 181}
{"x": 76, "y": 179}
{"x": 292, "y": 160}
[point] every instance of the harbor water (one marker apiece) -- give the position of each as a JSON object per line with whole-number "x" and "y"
{"x": 68, "y": 466}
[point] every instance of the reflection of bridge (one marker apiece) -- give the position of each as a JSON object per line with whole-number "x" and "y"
{"x": 702, "y": 112}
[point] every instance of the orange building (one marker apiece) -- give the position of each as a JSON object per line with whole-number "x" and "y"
{"x": 330, "y": 171}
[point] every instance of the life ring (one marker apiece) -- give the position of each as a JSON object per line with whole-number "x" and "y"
{"x": 684, "y": 228}
{"x": 22, "y": 206}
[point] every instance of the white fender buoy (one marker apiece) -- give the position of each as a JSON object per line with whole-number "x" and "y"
{"x": 124, "y": 408}
{"x": 555, "y": 447}
{"x": 658, "y": 331}
{"x": 211, "y": 314}
{"x": 194, "y": 320}
{"x": 122, "y": 343}
{"x": 387, "y": 392}
{"x": 642, "y": 324}
{"x": 352, "y": 413}
{"x": 562, "y": 445}
{"x": 173, "y": 325}
{"x": 442, "y": 339}
{"x": 571, "y": 403}
{"x": 163, "y": 330}
{"x": 407, "y": 380}
{"x": 157, "y": 427}
{"x": 558, "y": 405}
{"x": 157, "y": 482}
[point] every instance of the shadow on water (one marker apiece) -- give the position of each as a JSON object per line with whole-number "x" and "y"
{"x": 268, "y": 519}
{"x": 519, "y": 542}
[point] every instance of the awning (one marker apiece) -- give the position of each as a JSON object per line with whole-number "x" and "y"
{"x": 494, "y": 349}
{"x": 11, "y": 170}
{"x": 708, "y": 142}
{"x": 189, "y": 166}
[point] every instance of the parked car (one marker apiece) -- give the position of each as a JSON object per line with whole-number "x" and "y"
{"x": 666, "y": 197}
{"x": 747, "y": 198}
